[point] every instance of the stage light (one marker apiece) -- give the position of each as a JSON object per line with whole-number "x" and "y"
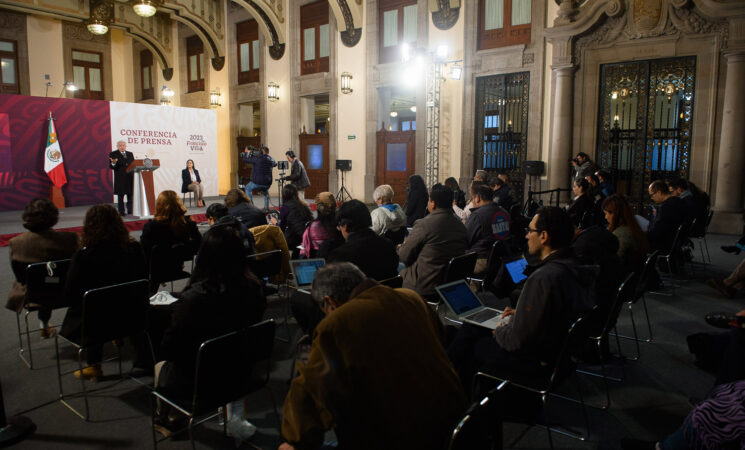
{"x": 144, "y": 8}
{"x": 346, "y": 83}
{"x": 405, "y": 52}
{"x": 442, "y": 51}
{"x": 215, "y": 98}
{"x": 272, "y": 92}
{"x": 96, "y": 26}
{"x": 456, "y": 72}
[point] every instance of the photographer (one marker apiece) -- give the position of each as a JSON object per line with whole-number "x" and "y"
{"x": 583, "y": 166}
{"x": 261, "y": 177}
{"x": 298, "y": 176}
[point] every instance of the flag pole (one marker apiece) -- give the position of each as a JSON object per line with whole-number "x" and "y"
{"x": 55, "y": 193}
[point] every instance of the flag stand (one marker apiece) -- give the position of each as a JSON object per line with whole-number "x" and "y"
{"x": 55, "y": 195}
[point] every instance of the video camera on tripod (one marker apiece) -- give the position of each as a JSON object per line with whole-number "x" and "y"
{"x": 252, "y": 151}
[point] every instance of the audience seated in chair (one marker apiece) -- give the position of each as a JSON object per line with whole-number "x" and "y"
{"x": 40, "y": 243}
{"x": 109, "y": 256}
{"x": 632, "y": 243}
{"x": 388, "y": 219}
{"x": 502, "y": 193}
{"x": 170, "y": 226}
{"x": 218, "y": 216}
{"x": 240, "y": 207}
{"x": 670, "y": 213}
{"x": 481, "y": 176}
{"x": 294, "y": 216}
{"x": 376, "y": 373}
{"x": 268, "y": 238}
{"x": 222, "y": 296}
{"x": 416, "y": 200}
{"x": 558, "y": 291}
{"x": 459, "y": 197}
{"x": 322, "y": 232}
{"x": 583, "y": 206}
{"x": 431, "y": 244}
{"x": 487, "y": 223}
{"x": 375, "y": 255}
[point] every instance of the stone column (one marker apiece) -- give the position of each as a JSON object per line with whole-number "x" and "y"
{"x": 561, "y": 127}
{"x": 731, "y": 163}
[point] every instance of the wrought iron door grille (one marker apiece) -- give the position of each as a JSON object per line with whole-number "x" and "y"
{"x": 646, "y": 116}
{"x": 501, "y": 126}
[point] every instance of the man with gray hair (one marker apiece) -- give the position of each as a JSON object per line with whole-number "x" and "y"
{"x": 119, "y": 160}
{"x": 376, "y": 373}
{"x": 388, "y": 219}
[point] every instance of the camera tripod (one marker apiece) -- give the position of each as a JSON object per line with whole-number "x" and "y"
{"x": 280, "y": 186}
{"x": 343, "y": 192}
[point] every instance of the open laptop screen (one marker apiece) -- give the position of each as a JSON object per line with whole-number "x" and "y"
{"x": 460, "y": 297}
{"x": 305, "y": 270}
{"x": 516, "y": 268}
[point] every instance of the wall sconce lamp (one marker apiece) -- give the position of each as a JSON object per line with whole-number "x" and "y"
{"x": 346, "y": 83}
{"x": 272, "y": 92}
{"x": 215, "y": 98}
{"x": 456, "y": 72}
{"x": 165, "y": 95}
{"x": 69, "y": 86}
{"x": 145, "y": 8}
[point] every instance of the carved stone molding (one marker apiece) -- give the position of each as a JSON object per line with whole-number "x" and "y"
{"x": 168, "y": 73}
{"x": 11, "y": 21}
{"x": 689, "y": 21}
{"x": 350, "y": 36}
{"x": 276, "y": 6}
{"x": 528, "y": 59}
{"x": 218, "y": 63}
{"x": 607, "y": 33}
{"x": 272, "y": 36}
{"x": 446, "y": 15}
{"x": 80, "y": 32}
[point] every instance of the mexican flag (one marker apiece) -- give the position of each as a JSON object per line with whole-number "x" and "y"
{"x": 53, "y": 165}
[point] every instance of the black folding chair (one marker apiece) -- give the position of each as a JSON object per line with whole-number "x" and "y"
{"x": 624, "y": 294}
{"x": 266, "y": 266}
{"x": 458, "y": 268}
{"x": 109, "y": 314}
{"x": 479, "y": 429}
{"x": 229, "y": 367}
{"x": 493, "y": 262}
{"x": 166, "y": 264}
{"x": 699, "y": 232}
{"x": 45, "y": 283}
{"x": 545, "y": 387}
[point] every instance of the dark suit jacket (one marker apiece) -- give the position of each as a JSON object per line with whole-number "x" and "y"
{"x": 123, "y": 181}
{"x": 186, "y": 179}
{"x": 580, "y": 207}
{"x": 155, "y": 232}
{"x": 30, "y": 247}
{"x": 375, "y": 255}
{"x": 661, "y": 232}
{"x": 99, "y": 266}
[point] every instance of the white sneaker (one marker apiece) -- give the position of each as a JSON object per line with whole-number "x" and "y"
{"x": 241, "y": 430}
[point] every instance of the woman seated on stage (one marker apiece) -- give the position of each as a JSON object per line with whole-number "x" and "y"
{"x": 240, "y": 206}
{"x": 109, "y": 256}
{"x": 40, "y": 243}
{"x": 190, "y": 181}
{"x": 170, "y": 226}
{"x": 222, "y": 296}
{"x": 294, "y": 216}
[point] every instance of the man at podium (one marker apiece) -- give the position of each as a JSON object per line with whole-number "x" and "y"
{"x": 119, "y": 160}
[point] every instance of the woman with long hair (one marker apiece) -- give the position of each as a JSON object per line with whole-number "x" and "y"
{"x": 109, "y": 256}
{"x": 221, "y": 296}
{"x": 632, "y": 243}
{"x": 416, "y": 200}
{"x": 170, "y": 225}
{"x": 323, "y": 227}
{"x": 191, "y": 181}
{"x": 294, "y": 215}
{"x": 459, "y": 197}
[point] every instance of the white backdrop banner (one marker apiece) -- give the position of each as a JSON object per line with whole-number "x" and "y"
{"x": 171, "y": 134}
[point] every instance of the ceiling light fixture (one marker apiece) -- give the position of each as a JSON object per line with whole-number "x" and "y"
{"x": 144, "y": 8}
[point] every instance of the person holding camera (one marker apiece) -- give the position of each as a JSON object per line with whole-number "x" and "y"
{"x": 298, "y": 176}
{"x": 583, "y": 166}
{"x": 261, "y": 176}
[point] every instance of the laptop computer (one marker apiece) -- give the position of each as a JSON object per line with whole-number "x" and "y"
{"x": 515, "y": 268}
{"x": 466, "y": 306}
{"x": 304, "y": 270}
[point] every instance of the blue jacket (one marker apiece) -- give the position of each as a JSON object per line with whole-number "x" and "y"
{"x": 262, "y": 171}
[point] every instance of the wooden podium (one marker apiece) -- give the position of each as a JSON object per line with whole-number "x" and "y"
{"x": 144, "y": 195}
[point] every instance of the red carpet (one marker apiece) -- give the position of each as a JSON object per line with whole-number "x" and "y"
{"x": 133, "y": 225}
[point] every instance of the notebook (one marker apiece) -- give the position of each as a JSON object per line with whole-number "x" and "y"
{"x": 304, "y": 270}
{"x": 466, "y": 306}
{"x": 515, "y": 269}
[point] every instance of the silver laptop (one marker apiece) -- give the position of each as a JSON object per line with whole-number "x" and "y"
{"x": 304, "y": 270}
{"x": 466, "y": 306}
